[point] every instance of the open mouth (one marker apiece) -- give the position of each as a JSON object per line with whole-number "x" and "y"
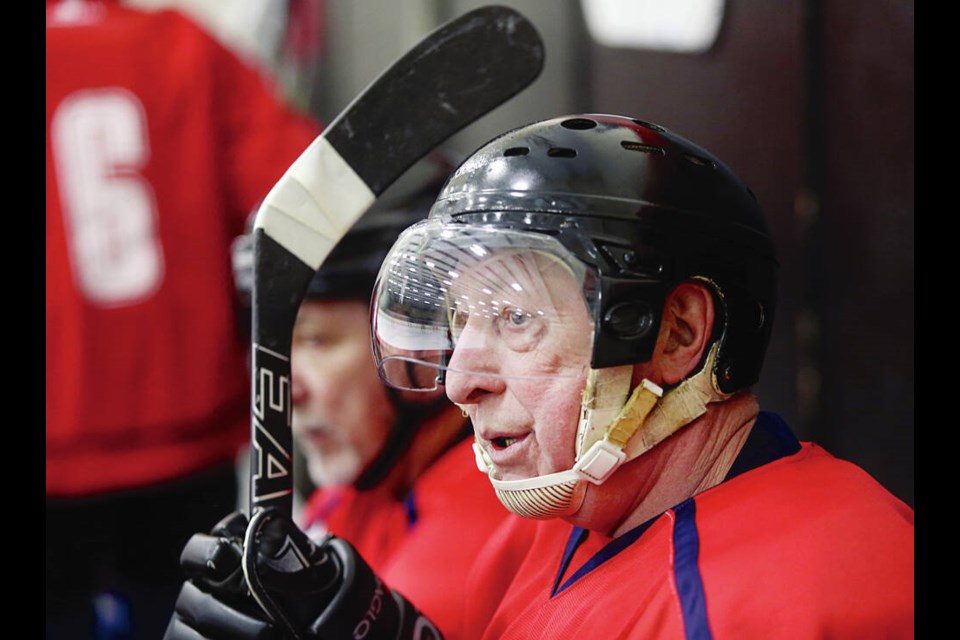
{"x": 502, "y": 443}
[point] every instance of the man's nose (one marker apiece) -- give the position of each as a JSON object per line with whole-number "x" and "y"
{"x": 473, "y": 367}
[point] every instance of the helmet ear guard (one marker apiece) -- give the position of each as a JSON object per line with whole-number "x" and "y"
{"x": 747, "y": 328}
{"x": 628, "y": 320}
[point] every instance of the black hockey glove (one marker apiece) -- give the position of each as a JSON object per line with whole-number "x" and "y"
{"x": 214, "y": 602}
{"x": 304, "y": 590}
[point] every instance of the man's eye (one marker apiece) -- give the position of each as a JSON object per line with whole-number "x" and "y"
{"x": 516, "y": 317}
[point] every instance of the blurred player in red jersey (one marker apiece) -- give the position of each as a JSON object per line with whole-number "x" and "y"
{"x": 393, "y": 470}
{"x": 160, "y": 142}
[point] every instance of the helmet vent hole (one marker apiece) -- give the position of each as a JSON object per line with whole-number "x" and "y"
{"x": 650, "y": 125}
{"x": 516, "y": 151}
{"x": 578, "y": 123}
{"x": 642, "y": 148}
{"x": 697, "y": 161}
{"x": 562, "y": 152}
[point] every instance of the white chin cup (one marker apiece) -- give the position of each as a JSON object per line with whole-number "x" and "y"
{"x": 556, "y": 494}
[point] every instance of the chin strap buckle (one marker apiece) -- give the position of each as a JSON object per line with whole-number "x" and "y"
{"x": 599, "y": 461}
{"x": 604, "y": 456}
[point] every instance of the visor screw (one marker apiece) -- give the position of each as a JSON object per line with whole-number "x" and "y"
{"x": 727, "y": 374}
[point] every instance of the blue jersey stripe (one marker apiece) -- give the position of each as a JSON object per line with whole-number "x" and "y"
{"x": 578, "y": 536}
{"x": 410, "y": 508}
{"x": 769, "y": 440}
{"x": 686, "y": 544}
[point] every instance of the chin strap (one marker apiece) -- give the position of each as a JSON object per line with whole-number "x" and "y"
{"x": 644, "y": 420}
{"x": 680, "y": 406}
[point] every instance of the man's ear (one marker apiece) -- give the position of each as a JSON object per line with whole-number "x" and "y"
{"x": 685, "y": 330}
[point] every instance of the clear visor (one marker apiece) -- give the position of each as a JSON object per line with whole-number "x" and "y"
{"x": 457, "y": 299}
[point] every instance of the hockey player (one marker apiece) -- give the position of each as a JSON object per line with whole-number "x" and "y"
{"x": 160, "y": 141}
{"x": 597, "y": 293}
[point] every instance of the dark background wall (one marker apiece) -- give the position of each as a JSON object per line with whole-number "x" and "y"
{"x": 861, "y": 263}
{"x": 811, "y": 102}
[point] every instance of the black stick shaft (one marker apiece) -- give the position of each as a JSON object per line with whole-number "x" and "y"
{"x": 456, "y": 74}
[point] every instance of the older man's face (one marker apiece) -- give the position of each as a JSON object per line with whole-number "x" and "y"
{"x": 522, "y": 336}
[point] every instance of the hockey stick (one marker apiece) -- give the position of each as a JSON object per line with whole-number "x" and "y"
{"x": 459, "y": 72}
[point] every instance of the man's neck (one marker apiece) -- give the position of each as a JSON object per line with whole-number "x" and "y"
{"x": 694, "y": 459}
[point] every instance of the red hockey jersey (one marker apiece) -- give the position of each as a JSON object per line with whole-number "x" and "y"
{"x": 160, "y": 143}
{"x": 804, "y": 547}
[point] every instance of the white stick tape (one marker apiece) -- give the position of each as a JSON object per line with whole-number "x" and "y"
{"x": 314, "y": 203}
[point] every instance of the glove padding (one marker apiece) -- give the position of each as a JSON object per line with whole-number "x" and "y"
{"x": 304, "y": 590}
{"x": 293, "y": 581}
{"x": 214, "y": 603}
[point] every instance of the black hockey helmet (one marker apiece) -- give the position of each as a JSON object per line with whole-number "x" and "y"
{"x": 644, "y": 209}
